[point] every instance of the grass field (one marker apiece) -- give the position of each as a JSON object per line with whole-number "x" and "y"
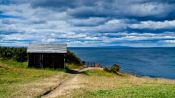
{"x": 13, "y": 74}
{"x": 151, "y": 91}
{"x": 101, "y": 84}
{"x": 17, "y": 80}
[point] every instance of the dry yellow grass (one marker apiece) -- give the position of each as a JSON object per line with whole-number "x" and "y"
{"x": 39, "y": 87}
{"x": 23, "y": 82}
{"x": 96, "y": 82}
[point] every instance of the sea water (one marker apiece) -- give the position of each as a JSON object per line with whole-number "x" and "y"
{"x": 152, "y": 62}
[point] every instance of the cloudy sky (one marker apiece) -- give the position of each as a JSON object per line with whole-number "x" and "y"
{"x": 85, "y": 23}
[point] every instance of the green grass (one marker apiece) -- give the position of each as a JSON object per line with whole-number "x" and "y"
{"x": 73, "y": 66}
{"x": 154, "y": 91}
{"x": 99, "y": 83}
{"x": 14, "y": 73}
{"x": 99, "y": 73}
{"x": 103, "y": 84}
{"x": 13, "y": 63}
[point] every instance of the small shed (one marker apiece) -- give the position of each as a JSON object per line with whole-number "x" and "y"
{"x": 46, "y": 55}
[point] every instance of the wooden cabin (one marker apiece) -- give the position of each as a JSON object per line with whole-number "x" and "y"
{"x": 46, "y": 55}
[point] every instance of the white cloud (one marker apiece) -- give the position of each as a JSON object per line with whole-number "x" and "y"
{"x": 147, "y": 9}
{"x": 154, "y": 25}
{"x": 170, "y": 41}
{"x": 43, "y": 24}
{"x": 93, "y": 21}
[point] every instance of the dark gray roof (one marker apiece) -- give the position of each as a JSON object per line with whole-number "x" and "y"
{"x": 47, "y": 48}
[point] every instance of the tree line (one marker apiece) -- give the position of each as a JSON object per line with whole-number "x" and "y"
{"x": 20, "y": 55}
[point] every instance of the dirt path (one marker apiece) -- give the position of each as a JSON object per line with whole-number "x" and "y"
{"x": 71, "y": 83}
{"x": 65, "y": 88}
{"x": 40, "y": 87}
{"x": 58, "y": 86}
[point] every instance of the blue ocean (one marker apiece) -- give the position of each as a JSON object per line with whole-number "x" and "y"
{"x": 151, "y": 62}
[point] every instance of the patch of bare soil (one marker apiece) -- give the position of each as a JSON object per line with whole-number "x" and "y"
{"x": 91, "y": 68}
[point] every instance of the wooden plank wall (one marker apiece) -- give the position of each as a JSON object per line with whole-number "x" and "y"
{"x": 46, "y": 60}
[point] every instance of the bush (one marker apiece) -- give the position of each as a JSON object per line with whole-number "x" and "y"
{"x": 70, "y": 57}
{"x": 107, "y": 69}
{"x": 21, "y": 55}
{"x": 114, "y": 69}
{"x": 18, "y": 54}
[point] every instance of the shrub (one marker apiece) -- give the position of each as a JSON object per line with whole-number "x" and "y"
{"x": 106, "y": 69}
{"x": 18, "y": 54}
{"x": 70, "y": 57}
{"x": 21, "y": 55}
{"x": 114, "y": 69}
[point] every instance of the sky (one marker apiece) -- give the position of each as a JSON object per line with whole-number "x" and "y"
{"x": 88, "y": 23}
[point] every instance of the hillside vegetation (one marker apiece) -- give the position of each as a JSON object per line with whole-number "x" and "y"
{"x": 14, "y": 74}
{"x": 19, "y": 81}
{"x": 14, "y": 71}
{"x": 102, "y": 84}
{"x": 20, "y": 55}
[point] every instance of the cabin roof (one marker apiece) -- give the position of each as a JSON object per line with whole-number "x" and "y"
{"x": 47, "y": 48}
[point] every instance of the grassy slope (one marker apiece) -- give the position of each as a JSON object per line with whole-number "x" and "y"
{"x": 73, "y": 66}
{"x": 101, "y": 84}
{"x": 98, "y": 83}
{"x": 13, "y": 74}
{"x": 152, "y": 91}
